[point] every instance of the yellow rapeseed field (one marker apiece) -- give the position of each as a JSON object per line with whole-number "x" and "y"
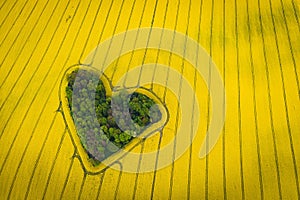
{"x": 255, "y": 46}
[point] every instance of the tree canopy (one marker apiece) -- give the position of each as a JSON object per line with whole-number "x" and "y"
{"x": 96, "y": 133}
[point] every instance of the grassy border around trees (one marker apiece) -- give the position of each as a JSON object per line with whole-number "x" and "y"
{"x": 122, "y": 139}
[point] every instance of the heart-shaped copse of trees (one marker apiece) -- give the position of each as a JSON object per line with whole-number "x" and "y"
{"x": 96, "y": 128}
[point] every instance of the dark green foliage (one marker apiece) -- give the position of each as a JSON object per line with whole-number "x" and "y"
{"x": 100, "y": 135}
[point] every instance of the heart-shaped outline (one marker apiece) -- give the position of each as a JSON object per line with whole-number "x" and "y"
{"x": 80, "y": 151}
